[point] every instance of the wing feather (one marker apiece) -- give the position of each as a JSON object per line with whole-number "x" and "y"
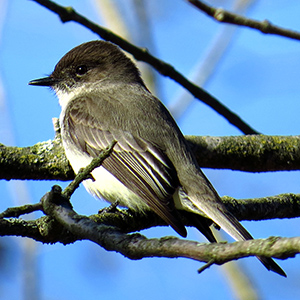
{"x": 138, "y": 164}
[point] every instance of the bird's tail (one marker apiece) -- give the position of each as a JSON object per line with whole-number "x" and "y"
{"x": 231, "y": 225}
{"x": 208, "y": 201}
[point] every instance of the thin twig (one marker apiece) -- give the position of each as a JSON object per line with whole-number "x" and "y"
{"x": 266, "y": 208}
{"x": 15, "y": 212}
{"x": 223, "y": 16}
{"x": 85, "y": 173}
{"x": 206, "y": 266}
{"x": 66, "y": 226}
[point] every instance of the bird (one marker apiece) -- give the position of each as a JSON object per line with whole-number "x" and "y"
{"x": 104, "y": 99}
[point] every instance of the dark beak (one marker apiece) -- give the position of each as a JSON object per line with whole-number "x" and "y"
{"x": 47, "y": 81}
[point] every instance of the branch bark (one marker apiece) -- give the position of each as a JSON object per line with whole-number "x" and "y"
{"x": 253, "y": 153}
{"x": 109, "y": 229}
{"x": 272, "y": 207}
{"x": 223, "y": 16}
{"x": 63, "y": 224}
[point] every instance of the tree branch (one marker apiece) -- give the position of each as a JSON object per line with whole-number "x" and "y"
{"x": 279, "y": 206}
{"x": 45, "y": 160}
{"x": 272, "y": 207}
{"x": 85, "y": 173}
{"x": 223, "y": 16}
{"x": 63, "y": 225}
{"x": 254, "y": 153}
{"x": 67, "y": 14}
{"x": 259, "y": 153}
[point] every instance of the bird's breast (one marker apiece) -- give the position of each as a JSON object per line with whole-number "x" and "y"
{"x": 106, "y": 185}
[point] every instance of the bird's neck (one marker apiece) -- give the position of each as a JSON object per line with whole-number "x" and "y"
{"x": 66, "y": 95}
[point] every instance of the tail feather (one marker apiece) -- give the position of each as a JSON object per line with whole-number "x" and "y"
{"x": 213, "y": 207}
{"x": 271, "y": 265}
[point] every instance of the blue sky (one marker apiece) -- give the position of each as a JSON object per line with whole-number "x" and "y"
{"x": 257, "y": 78}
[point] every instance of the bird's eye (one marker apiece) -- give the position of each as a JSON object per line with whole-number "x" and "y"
{"x": 81, "y": 70}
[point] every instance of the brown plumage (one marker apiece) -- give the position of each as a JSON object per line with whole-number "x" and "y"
{"x": 103, "y": 98}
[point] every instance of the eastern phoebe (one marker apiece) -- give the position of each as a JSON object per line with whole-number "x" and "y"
{"x": 103, "y": 99}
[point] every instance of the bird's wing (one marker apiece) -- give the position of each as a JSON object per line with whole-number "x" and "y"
{"x": 139, "y": 165}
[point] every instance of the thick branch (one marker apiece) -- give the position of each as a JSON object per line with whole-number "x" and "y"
{"x": 254, "y": 153}
{"x": 136, "y": 246}
{"x": 67, "y": 14}
{"x": 272, "y": 207}
{"x": 224, "y": 16}
{"x": 66, "y": 226}
{"x": 45, "y": 160}
{"x": 259, "y": 153}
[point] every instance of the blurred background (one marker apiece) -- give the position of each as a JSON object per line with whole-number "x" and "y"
{"x": 255, "y": 75}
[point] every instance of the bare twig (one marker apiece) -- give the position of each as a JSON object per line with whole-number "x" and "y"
{"x": 65, "y": 226}
{"x": 136, "y": 246}
{"x": 224, "y": 16}
{"x": 85, "y": 173}
{"x": 279, "y": 206}
{"x": 15, "y": 212}
{"x": 67, "y": 14}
